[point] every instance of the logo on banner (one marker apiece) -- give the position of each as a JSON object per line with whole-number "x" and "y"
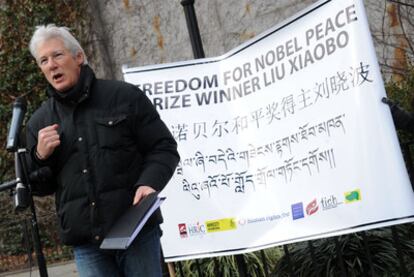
{"x": 352, "y": 196}
{"x": 297, "y": 211}
{"x": 312, "y": 207}
{"x": 271, "y": 218}
{"x": 276, "y": 217}
{"x": 219, "y": 225}
{"x": 196, "y": 229}
{"x": 256, "y": 220}
{"x": 182, "y": 228}
{"x": 329, "y": 202}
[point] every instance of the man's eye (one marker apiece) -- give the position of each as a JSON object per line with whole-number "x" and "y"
{"x": 43, "y": 61}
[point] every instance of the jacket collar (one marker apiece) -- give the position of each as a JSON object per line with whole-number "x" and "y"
{"x": 79, "y": 92}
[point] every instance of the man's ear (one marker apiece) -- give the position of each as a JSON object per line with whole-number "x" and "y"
{"x": 80, "y": 58}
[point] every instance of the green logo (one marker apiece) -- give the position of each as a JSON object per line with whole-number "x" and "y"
{"x": 352, "y": 196}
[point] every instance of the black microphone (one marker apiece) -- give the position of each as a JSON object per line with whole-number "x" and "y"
{"x": 21, "y": 193}
{"x": 19, "y": 109}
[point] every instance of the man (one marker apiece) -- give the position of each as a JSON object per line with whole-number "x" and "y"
{"x": 107, "y": 148}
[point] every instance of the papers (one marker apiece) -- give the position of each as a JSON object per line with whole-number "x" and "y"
{"x": 124, "y": 231}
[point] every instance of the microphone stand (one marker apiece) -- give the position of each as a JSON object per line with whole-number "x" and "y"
{"x": 23, "y": 189}
{"x": 41, "y": 262}
{"x": 21, "y": 168}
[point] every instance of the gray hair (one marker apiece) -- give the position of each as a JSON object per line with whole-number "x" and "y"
{"x": 46, "y": 32}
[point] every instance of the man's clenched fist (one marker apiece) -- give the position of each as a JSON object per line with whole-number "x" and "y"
{"x": 47, "y": 141}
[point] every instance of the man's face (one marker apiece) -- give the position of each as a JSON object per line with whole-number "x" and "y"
{"x": 57, "y": 63}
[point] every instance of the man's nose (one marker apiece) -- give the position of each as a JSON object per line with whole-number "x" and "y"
{"x": 52, "y": 63}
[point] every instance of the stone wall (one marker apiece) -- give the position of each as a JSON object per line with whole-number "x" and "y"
{"x": 142, "y": 32}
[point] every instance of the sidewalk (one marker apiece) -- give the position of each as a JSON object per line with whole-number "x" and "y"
{"x": 67, "y": 269}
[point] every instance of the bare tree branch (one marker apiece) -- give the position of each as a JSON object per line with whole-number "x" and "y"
{"x": 403, "y": 29}
{"x": 401, "y": 3}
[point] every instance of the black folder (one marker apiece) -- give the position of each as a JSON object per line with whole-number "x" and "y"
{"x": 124, "y": 231}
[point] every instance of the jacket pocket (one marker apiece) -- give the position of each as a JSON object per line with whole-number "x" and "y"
{"x": 112, "y": 132}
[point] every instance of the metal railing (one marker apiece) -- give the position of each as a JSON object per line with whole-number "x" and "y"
{"x": 19, "y": 253}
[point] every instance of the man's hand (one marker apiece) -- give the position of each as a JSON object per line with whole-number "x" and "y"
{"x": 141, "y": 192}
{"x": 47, "y": 141}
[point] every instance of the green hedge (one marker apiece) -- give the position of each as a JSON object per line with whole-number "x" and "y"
{"x": 20, "y": 76}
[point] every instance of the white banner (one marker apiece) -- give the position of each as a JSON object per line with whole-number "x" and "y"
{"x": 281, "y": 140}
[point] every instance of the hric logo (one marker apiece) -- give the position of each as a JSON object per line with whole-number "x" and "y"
{"x": 196, "y": 229}
{"x": 352, "y": 196}
{"x": 182, "y": 228}
{"x": 329, "y": 202}
{"x": 297, "y": 211}
{"x": 312, "y": 207}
